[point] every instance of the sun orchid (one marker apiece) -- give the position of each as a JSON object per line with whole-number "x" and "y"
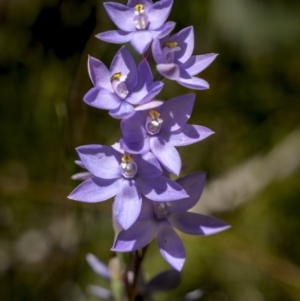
{"x": 139, "y": 22}
{"x": 128, "y": 177}
{"x": 160, "y": 218}
{"x": 121, "y": 87}
{"x": 159, "y": 130}
{"x": 174, "y": 59}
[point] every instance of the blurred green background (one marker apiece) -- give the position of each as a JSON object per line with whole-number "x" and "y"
{"x": 252, "y": 160}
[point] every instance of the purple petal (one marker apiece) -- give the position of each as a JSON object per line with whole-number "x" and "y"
{"x": 163, "y": 31}
{"x": 123, "y": 62}
{"x": 193, "y": 184}
{"x": 145, "y": 73}
{"x": 127, "y": 204}
{"x": 147, "y": 211}
{"x": 115, "y": 36}
{"x": 197, "y": 224}
{"x": 164, "y": 281}
{"x": 102, "y": 161}
{"x": 194, "y": 83}
{"x": 170, "y": 71}
{"x": 101, "y": 98}
{"x": 136, "y": 237}
{"x": 176, "y": 112}
{"x": 121, "y": 15}
{"x": 96, "y": 190}
{"x": 140, "y": 147}
{"x": 170, "y": 245}
{"x": 166, "y": 154}
{"x": 141, "y": 41}
{"x": 117, "y": 146}
{"x": 185, "y": 40}
{"x": 99, "y": 74}
{"x": 145, "y": 89}
{"x": 133, "y": 128}
{"x": 186, "y": 135}
{"x": 98, "y": 267}
{"x": 157, "y": 52}
{"x": 123, "y": 111}
{"x": 148, "y": 166}
{"x": 159, "y": 13}
{"x": 149, "y": 105}
{"x": 196, "y": 64}
{"x": 152, "y": 91}
{"x": 160, "y": 189}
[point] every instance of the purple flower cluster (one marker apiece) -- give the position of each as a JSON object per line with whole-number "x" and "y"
{"x": 136, "y": 170}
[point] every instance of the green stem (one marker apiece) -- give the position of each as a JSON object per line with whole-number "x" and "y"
{"x": 137, "y": 269}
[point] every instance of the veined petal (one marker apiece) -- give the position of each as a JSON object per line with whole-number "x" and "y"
{"x": 123, "y": 111}
{"x": 159, "y": 13}
{"x": 185, "y": 40}
{"x": 198, "y": 63}
{"x": 102, "y": 161}
{"x": 194, "y": 83}
{"x": 148, "y": 166}
{"x": 121, "y": 15}
{"x": 160, "y": 189}
{"x": 96, "y": 190}
{"x": 127, "y": 204}
{"x": 141, "y": 41}
{"x": 115, "y": 36}
{"x": 166, "y": 154}
{"x": 170, "y": 71}
{"x": 187, "y": 134}
{"x": 99, "y": 73}
{"x": 98, "y": 267}
{"x": 163, "y": 31}
{"x": 193, "y": 184}
{"x": 197, "y": 224}
{"x": 123, "y": 62}
{"x": 176, "y": 112}
{"x": 140, "y": 147}
{"x": 133, "y": 128}
{"x": 101, "y": 98}
{"x": 170, "y": 245}
{"x": 136, "y": 237}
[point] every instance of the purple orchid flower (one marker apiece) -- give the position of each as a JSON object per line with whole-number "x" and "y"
{"x": 160, "y": 218}
{"x": 161, "y": 129}
{"x": 174, "y": 59}
{"x": 121, "y": 87}
{"x": 139, "y": 22}
{"x": 125, "y": 176}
